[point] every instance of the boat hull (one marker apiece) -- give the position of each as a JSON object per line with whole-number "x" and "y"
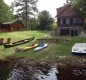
{"x": 79, "y": 49}
{"x": 18, "y": 42}
{"x": 30, "y": 47}
{"x": 77, "y": 53}
{"x": 41, "y": 47}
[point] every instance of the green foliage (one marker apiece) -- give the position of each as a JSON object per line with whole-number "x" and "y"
{"x": 53, "y": 25}
{"x": 80, "y": 5}
{"x": 33, "y": 24}
{"x": 5, "y": 13}
{"x": 45, "y": 20}
{"x": 25, "y": 8}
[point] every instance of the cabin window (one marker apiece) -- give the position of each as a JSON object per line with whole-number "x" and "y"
{"x": 64, "y": 21}
{"x": 64, "y": 31}
{"x": 74, "y": 20}
{"x": 61, "y": 21}
{"x": 58, "y": 21}
{"x": 77, "y": 20}
{"x": 67, "y": 21}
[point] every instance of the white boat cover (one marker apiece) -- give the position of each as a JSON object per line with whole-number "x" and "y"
{"x": 79, "y": 48}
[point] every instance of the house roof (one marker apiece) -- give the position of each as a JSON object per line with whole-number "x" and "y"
{"x": 67, "y": 10}
{"x": 11, "y": 22}
{"x": 61, "y": 9}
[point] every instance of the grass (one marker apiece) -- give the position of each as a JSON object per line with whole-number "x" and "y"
{"x": 53, "y": 50}
{"x": 18, "y": 35}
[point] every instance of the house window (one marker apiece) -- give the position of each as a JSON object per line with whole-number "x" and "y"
{"x": 58, "y": 21}
{"x": 64, "y": 31}
{"x": 74, "y": 20}
{"x": 61, "y": 21}
{"x": 67, "y": 21}
{"x": 77, "y": 20}
{"x": 64, "y": 21}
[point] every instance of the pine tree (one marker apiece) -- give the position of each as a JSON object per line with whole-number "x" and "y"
{"x": 26, "y": 9}
{"x": 5, "y": 13}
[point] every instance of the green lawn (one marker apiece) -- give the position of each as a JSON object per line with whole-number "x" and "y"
{"x": 53, "y": 50}
{"x": 18, "y": 35}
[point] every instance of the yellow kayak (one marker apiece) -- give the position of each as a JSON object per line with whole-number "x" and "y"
{"x": 30, "y": 47}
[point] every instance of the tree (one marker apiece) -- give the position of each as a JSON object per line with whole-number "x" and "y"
{"x": 5, "y": 13}
{"x": 80, "y": 5}
{"x": 33, "y": 23}
{"x": 26, "y": 9}
{"x": 68, "y": 1}
{"x": 45, "y": 20}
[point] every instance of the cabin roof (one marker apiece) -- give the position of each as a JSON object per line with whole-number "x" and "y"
{"x": 67, "y": 10}
{"x": 10, "y": 22}
{"x": 61, "y": 9}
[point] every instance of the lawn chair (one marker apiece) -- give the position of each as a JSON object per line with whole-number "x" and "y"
{"x": 1, "y": 41}
{"x": 8, "y": 41}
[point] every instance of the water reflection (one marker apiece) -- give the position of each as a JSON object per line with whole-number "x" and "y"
{"x": 20, "y": 74}
{"x": 22, "y": 70}
{"x": 16, "y": 74}
{"x": 51, "y": 75}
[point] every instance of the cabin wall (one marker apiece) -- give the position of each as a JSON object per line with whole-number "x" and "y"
{"x": 16, "y": 27}
{"x": 72, "y": 31}
{"x": 5, "y": 28}
{"x": 70, "y": 25}
{"x": 69, "y": 22}
{"x": 12, "y": 26}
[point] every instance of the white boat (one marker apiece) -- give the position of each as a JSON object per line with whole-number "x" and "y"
{"x": 79, "y": 48}
{"x": 41, "y": 47}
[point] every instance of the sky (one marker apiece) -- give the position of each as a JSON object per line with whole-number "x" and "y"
{"x": 49, "y": 5}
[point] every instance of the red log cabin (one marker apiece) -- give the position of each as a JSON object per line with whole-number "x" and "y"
{"x": 14, "y": 25}
{"x": 69, "y": 21}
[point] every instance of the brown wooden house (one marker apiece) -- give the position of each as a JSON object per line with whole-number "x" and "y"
{"x": 69, "y": 21}
{"x": 12, "y": 26}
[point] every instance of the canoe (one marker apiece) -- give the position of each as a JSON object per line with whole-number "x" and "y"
{"x": 18, "y": 42}
{"x": 79, "y": 48}
{"x": 41, "y": 47}
{"x": 30, "y": 47}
